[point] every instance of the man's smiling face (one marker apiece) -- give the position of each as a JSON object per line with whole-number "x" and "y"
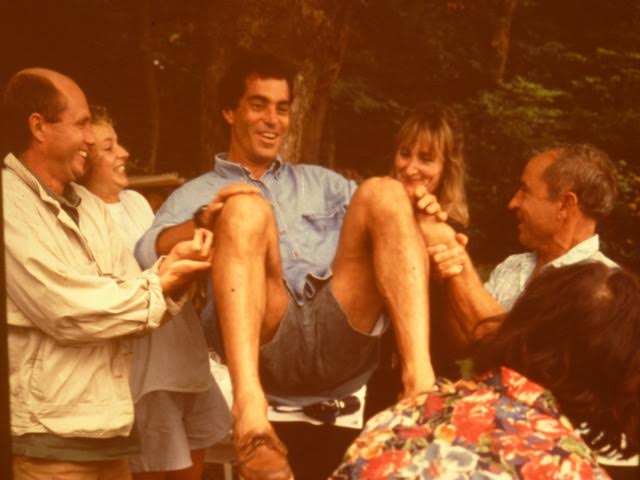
{"x": 259, "y": 122}
{"x": 68, "y": 139}
{"x": 538, "y": 214}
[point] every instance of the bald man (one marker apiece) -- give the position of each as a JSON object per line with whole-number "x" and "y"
{"x": 73, "y": 291}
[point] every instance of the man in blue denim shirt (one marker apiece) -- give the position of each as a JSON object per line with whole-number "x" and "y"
{"x": 304, "y": 265}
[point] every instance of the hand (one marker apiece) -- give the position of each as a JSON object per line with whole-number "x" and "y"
{"x": 449, "y": 258}
{"x": 427, "y": 204}
{"x": 210, "y": 213}
{"x": 185, "y": 260}
{"x": 434, "y": 231}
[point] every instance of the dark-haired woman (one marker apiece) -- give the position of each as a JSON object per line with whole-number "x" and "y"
{"x": 565, "y": 356}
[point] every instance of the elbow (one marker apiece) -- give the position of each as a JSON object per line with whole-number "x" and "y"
{"x": 146, "y": 248}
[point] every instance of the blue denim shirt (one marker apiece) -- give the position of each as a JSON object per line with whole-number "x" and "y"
{"x": 309, "y": 203}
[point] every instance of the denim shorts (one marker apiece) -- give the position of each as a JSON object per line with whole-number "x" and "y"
{"x": 316, "y": 354}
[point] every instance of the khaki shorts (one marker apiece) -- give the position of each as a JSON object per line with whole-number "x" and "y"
{"x": 29, "y": 468}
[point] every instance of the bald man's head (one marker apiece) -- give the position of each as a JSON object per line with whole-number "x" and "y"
{"x": 34, "y": 90}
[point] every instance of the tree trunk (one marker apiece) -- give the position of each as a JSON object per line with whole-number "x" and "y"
{"x": 218, "y": 32}
{"x": 501, "y": 38}
{"x": 153, "y": 99}
{"x": 312, "y": 34}
{"x": 314, "y": 136}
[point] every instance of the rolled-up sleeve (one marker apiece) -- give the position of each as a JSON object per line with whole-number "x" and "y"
{"x": 145, "y": 250}
{"x": 177, "y": 209}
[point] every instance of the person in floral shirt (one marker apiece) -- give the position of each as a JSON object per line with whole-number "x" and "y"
{"x": 566, "y": 355}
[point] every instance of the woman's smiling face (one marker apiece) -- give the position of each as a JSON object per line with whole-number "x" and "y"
{"x": 419, "y": 164}
{"x": 108, "y": 158}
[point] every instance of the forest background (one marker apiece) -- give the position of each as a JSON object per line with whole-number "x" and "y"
{"x": 522, "y": 74}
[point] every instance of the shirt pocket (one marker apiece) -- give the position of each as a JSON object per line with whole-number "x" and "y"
{"x": 322, "y": 232}
{"x": 66, "y": 376}
{"x": 322, "y": 223}
{"x": 75, "y": 276}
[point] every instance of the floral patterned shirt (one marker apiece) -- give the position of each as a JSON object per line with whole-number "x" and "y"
{"x": 498, "y": 426}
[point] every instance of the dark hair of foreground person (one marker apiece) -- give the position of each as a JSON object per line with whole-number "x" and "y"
{"x": 576, "y": 331}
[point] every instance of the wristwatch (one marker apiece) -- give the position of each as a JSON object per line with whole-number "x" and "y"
{"x": 197, "y": 217}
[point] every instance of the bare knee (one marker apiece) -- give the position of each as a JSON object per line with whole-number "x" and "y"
{"x": 383, "y": 196}
{"x": 245, "y": 215}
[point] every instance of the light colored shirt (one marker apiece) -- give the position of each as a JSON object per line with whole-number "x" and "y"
{"x": 309, "y": 203}
{"x": 73, "y": 290}
{"x": 132, "y": 215}
{"x": 509, "y": 279}
{"x": 173, "y": 357}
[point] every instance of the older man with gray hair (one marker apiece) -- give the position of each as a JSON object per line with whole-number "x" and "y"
{"x": 564, "y": 192}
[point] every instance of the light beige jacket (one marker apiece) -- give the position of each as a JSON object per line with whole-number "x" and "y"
{"x": 72, "y": 292}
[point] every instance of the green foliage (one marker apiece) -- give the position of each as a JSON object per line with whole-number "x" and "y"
{"x": 622, "y": 239}
{"x": 600, "y": 74}
{"x": 363, "y": 98}
{"x": 521, "y": 113}
{"x": 573, "y": 75}
{"x": 505, "y": 126}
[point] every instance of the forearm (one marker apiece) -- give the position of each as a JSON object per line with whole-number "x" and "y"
{"x": 469, "y": 304}
{"x": 180, "y": 267}
{"x": 171, "y": 236}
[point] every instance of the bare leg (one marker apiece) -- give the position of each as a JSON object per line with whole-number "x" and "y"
{"x": 150, "y": 476}
{"x": 381, "y": 260}
{"x": 251, "y": 299}
{"x": 194, "y": 472}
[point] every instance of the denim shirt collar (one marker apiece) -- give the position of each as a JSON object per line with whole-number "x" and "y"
{"x": 227, "y": 169}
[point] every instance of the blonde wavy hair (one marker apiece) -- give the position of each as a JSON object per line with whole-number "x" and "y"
{"x": 440, "y": 126}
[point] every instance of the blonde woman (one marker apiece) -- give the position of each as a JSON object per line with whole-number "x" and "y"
{"x": 179, "y": 408}
{"x": 429, "y": 155}
{"x": 106, "y": 177}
